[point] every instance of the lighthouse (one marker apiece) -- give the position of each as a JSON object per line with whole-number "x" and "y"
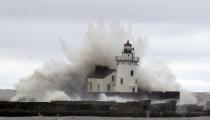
{"x": 122, "y": 79}
{"x": 127, "y": 66}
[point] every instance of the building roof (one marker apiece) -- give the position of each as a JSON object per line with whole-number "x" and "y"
{"x": 101, "y": 72}
{"x": 127, "y": 44}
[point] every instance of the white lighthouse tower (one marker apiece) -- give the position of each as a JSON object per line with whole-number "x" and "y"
{"x": 127, "y": 66}
{"x": 121, "y": 79}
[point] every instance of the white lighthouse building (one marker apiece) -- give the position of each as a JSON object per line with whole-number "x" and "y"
{"x": 123, "y": 79}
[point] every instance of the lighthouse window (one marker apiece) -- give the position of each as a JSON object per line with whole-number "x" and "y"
{"x": 121, "y": 81}
{"x": 131, "y": 72}
{"x": 136, "y": 81}
{"x": 108, "y": 87}
{"x": 113, "y": 78}
{"x": 98, "y": 87}
{"x": 91, "y": 86}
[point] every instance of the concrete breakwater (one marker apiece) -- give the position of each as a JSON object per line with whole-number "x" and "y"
{"x": 95, "y": 108}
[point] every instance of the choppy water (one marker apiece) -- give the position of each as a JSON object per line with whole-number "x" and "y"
{"x": 98, "y": 118}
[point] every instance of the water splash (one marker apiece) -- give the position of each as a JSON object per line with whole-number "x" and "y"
{"x": 102, "y": 43}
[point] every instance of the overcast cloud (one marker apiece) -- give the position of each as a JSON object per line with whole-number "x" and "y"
{"x": 178, "y": 33}
{"x": 139, "y": 10}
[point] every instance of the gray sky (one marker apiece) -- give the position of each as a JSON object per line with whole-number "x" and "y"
{"x": 178, "y": 33}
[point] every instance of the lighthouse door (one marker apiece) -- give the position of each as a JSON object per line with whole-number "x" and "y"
{"x": 133, "y": 89}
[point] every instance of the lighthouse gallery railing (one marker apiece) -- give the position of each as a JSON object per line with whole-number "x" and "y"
{"x": 121, "y": 58}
